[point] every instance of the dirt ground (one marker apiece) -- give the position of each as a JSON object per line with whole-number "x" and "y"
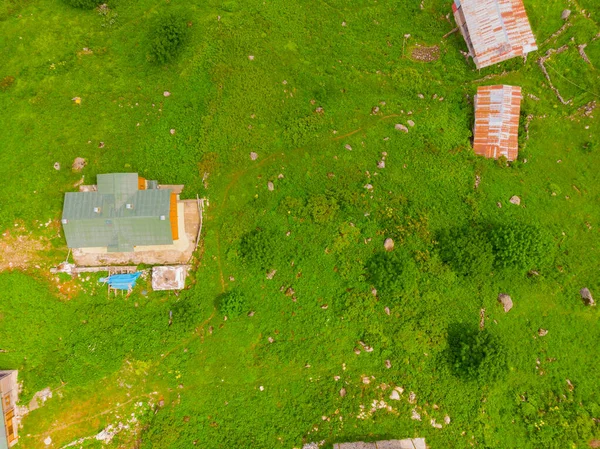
{"x": 192, "y": 223}
{"x": 19, "y": 250}
{"x": 426, "y": 54}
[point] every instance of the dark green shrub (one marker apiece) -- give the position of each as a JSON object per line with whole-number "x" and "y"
{"x": 393, "y": 273}
{"x": 322, "y": 208}
{"x": 520, "y": 246}
{"x": 166, "y": 37}
{"x": 83, "y": 4}
{"x": 233, "y": 304}
{"x": 468, "y": 251}
{"x": 475, "y": 354}
{"x": 260, "y": 248}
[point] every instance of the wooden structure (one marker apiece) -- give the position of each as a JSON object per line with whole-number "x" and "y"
{"x": 497, "y": 113}
{"x": 9, "y": 391}
{"x": 409, "y": 443}
{"x": 494, "y": 30}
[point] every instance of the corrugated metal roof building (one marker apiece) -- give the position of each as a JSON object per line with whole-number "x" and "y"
{"x": 495, "y": 30}
{"x": 9, "y": 391}
{"x": 497, "y": 113}
{"x": 119, "y": 215}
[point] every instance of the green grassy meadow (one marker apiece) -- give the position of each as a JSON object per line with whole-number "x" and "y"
{"x": 272, "y": 378}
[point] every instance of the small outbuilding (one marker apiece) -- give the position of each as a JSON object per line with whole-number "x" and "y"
{"x": 494, "y": 30}
{"x": 497, "y": 113}
{"x": 169, "y": 277}
{"x": 9, "y": 393}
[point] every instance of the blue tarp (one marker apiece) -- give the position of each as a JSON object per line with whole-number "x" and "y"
{"x": 122, "y": 281}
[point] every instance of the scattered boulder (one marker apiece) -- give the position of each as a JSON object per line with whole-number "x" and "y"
{"x": 435, "y": 424}
{"x": 253, "y": 156}
{"x": 395, "y": 396}
{"x": 251, "y": 57}
{"x": 586, "y": 295}
{"x": 343, "y": 392}
{"x": 387, "y": 310}
{"x": 566, "y": 14}
{"x": 388, "y": 364}
{"x": 542, "y": 332}
{"x": 319, "y": 110}
{"x": 270, "y": 186}
{"x": 348, "y": 147}
{"x": 375, "y": 110}
{"x": 78, "y": 164}
{"x": 166, "y": 93}
{"x": 447, "y": 419}
{"x": 401, "y": 127}
{"x": 271, "y": 274}
{"x": 57, "y": 166}
{"x": 388, "y": 244}
{"x": 415, "y": 415}
{"x": 381, "y": 164}
{"x": 172, "y": 131}
{"x": 410, "y": 123}
{"x": 515, "y": 200}
{"x": 412, "y": 397}
{"x": 506, "y": 301}
{"x": 368, "y": 187}
{"x": 47, "y": 441}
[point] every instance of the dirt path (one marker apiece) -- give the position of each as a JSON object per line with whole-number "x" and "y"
{"x": 20, "y": 250}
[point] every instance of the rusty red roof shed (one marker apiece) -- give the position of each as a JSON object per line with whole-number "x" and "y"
{"x": 497, "y": 112}
{"x": 494, "y": 30}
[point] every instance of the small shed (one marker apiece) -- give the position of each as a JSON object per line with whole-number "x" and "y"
{"x": 409, "y": 443}
{"x": 170, "y": 277}
{"x": 9, "y": 395}
{"x": 494, "y": 30}
{"x": 497, "y": 113}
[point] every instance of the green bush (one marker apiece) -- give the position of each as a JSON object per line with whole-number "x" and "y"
{"x": 467, "y": 251}
{"x": 393, "y": 273}
{"x": 83, "y": 4}
{"x": 322, "y": 208}
{"x": 475, "y": 354}
{"x": 166, "y": 38}
{"x": 260, "y": 248}
{"x": 233, "y": 304}
{"x": 520, "y": 246}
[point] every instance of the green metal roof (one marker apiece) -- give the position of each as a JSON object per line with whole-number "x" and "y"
{"x": 118, "y": 215}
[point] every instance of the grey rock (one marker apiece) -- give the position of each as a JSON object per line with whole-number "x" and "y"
{"x": 542, "y": 332}
{"x": 253, "y": 156}
{"x": 270, "y": 186}
{"x": 515, "y": 200}
{"x": 410, "y": 123}
{"x": 343, "y": 392}
{"x": 57, "y": 166}
{"x": 388, "y": 244}
{"x": 401, "y": 127}
{"x": 566, "y": 14}
{"x": 506, "y": 301}
{"x": 587, "y": 297}
{"x": 78, "y": 164}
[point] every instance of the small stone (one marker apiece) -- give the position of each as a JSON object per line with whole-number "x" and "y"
{"x": 343, "y": 392}
{"x": 506, "y": 301}
{"x": 570, "y": 385}
{"x": 336, "y": 378}
{"x": 587, "y": 297}
{"x": 261, "y": 388}
{"x": 387, "y": 310}
{"x": 47, "y": 441}
{"x": 388, "y": 244}
{"x": 357, "y": 351}
{"x": 412, "y": 397}
{"x": 343, "y": 24}
{"x": 368, "y": 187}
{"x": 542, "y": 332}
{"x": 270, "y": 339}
{"x": 78, "y": 164}
{"x": 251, "y": 313}
{"x": 375, "y": 110}
{"x": 395, "y": 396}
{"x": 280, "y": 176}
{"x": 56, "y": 166}
{"x": 320, "y": 110}
{"x": 374, "y": 291}
{"x": 381, "y": 164}
{"x": 414, "y": 415}
{"x": 388, "y": 364}
{"x": 251, "y": 57}
{"x": 270, "y": 186}
{"x": 172, "y": 131}
{"x": 499, "y": 204}
{"x": 166, "y": 93}
{"x": 253, "y": 156}
{"x": 401, "y": 127}
{"x": 434, "y": 424}
{"x": 410, "y": 123}
{"x": 101, "y": 145}
{"x": 421, "y": 96}
{"x": 566, "y": 14}
{"x": 366, "y": 380}
{"x": 348, "y": 147}
{"x": 515, "y": 200}
{"x": 271, "y": 274}
{"x": 447, "y": 419}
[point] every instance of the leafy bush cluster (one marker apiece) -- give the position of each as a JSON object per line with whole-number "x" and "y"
{"x": 393, "y": 272}
{"x": 474, "y": 251}
{"x": 475, "y": 354}
{"x": 166, "y": 38}
{"x": 322, "y": 208}
{"x": 233, "y": 304}
{"x": 260, "y": 248}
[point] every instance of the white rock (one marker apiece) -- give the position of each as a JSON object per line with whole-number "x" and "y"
{"x": 381, "y": 164}
{"x": 447, "y": 419}
{"x": 270, "y": 186}
{"x": 515, "y": 200}
{"x": 388, "y": 244}
{"x": 348, "y": 147}
{"x": 368, "y": 187}
{"x": 56, "y": 166}
{"x": 395, "y": 396}
{"x": 166, "y": 93}
{"x": 172, "y": 131}
{"x": 410, "y": 123}
{"x": 48, "y": 441}
{"x": 415, "y": 415}
{"x": 401, "y": 127}
{"x": 253, "y": 156}
{"x": 251, "y": 57}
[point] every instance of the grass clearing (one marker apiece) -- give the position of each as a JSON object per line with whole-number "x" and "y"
{"x": 269, "y": 380}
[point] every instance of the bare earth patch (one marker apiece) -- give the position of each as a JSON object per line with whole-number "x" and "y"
{"x": 425, "y": 54}
{"x": 19, "y": 250}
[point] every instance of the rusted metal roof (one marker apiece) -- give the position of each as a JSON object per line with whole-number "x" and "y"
{"x": 495, "y": 30}
{"x": 497, "y": 111}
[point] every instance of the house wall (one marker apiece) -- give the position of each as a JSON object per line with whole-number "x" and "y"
{"x": 9, "y": 391}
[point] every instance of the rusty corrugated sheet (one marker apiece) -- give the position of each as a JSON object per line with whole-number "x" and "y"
{"x": 497, "y": 112}
{"x": 495, "y": 30}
